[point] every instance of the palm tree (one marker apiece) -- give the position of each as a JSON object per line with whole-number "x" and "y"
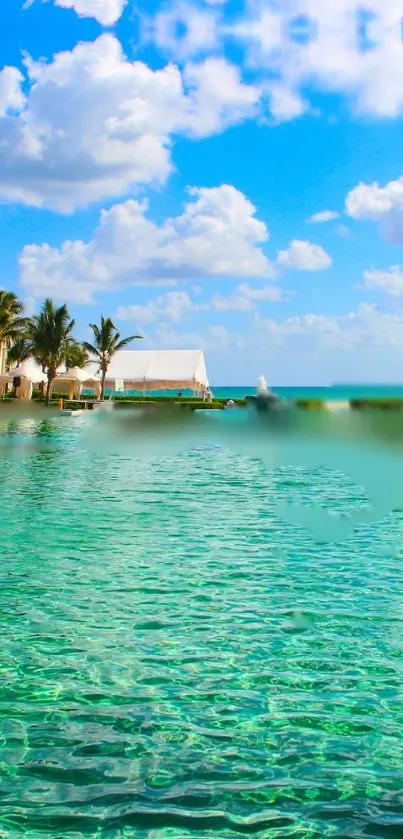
{"x": 12, "y": 321}
{"x": 20, "y": 350}
{"x": 107, "y": 342}
{"x": 76, "y": 356}
{"x": 51, "y": 339}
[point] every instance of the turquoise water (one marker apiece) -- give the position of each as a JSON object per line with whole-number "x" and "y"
{"x": 335, "y": 392}
{"x": 179, "y": 662}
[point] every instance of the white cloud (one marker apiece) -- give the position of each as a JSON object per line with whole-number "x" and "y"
{"x": 244, "y": 300}
{"x": 218, "y": 97}
{"x": 271, "y": 293}
{"x": 371, "y": 201}
{"x": 285, "y": 104}
{"x": 355, "y": 334}
{"x": 361, "y": 345}
{"x": 323, "y": 216}
{"x": 304, "y": 256}
{"x": 339, "y": 46}
{"x": 107, "y": 12}
{"x": 169, "y": 306}
{"x": 391, "y": 282}
{"x": 382, "y": 204}
{"x": 217, "y": 235}
{"x": 232, "y": 303}
{"x": 11, "y": 95}
{"x": 184, "y": 30}
{"x": 365, "y": 326}
{"x": 213, "y": 338}
{"x": 94, "y": 124}
{"x": 174, "y": 306}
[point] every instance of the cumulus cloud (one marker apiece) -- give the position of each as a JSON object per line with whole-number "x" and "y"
{"x": 217, "y": 235}
{"x": 94, "y": 124}
{"x": 174, "y": 306}
{"x": 218, "y": 97}
{"x": 170, "y": 306}
{"x": 365, "y": 326}
{"x": 371, "y": 201}
{"x": 356, "y": 334}
{"x": 362, "y": 344}
{"x": 269, "y": 293}
{"x": 11, "y": 95}
{"x": 285, "y": 104}
{"x": 323, "y": 216}
{"x": 245, "y": 299}
{"x": 184, "y": 30}
{"x": 304, "y": 256}
{"x": 230, "y": 303}
{"x": 391, "y": 281}
{"x": 107, "y": 12}
{"x": 338, "y": 46}
{"x": 379, "y": 203}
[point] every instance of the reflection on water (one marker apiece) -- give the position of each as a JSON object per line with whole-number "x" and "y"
{"x": 181, "y": 656}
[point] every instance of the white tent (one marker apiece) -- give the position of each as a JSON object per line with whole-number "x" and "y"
{"x": 74, "y": 380}
{"x": 158, "y": 370}
{"x": 29, "y": 373}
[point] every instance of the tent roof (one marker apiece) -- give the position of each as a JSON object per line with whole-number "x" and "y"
{"x": 27, "y": 370}
{"x": 76, "y": 374}
{"x": 159, "y": 368}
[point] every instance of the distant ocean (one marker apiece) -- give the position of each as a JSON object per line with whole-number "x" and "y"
{"x": 337, "y": 392}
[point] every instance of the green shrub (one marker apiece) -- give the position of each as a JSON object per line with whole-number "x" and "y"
{"x": 193, "y": 405}
{"x": 124, "y": 399}
{"x": 312, "y": 404}
{"x": 381, "y": 404}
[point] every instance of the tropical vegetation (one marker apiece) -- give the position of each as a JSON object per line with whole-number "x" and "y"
{"x": 50, "y": 334}
{"x": 19, "y": 351}
{"x": 107, "y": 342}
{"x": 48, "y": 338}
{"x": 12, "y": 321}
{"x": 76, "y": 356}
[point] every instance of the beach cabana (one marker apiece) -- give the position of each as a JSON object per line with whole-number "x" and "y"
{"x": 74, "y": 380}
{"x": 26, "y": 376}
{"x": 148, "y": 370}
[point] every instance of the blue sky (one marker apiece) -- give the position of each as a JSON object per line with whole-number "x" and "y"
{"x": 215, "y": 174}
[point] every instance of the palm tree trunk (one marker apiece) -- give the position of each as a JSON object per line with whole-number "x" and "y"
{"x": 51, "y": 377}
{"x": 42, "y": 384}
{"x": 103, "y": 385}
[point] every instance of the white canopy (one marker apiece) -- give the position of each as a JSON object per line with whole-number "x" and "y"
{"x": 29, "y": 374}
{"x": 77, "y": 374}
{"x": 27, "y": 370}
{"x": 76, "y": 379}
{"x": 158, "y": 370}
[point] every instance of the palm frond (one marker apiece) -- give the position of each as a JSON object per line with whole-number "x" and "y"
{"x": 125, "y": 341}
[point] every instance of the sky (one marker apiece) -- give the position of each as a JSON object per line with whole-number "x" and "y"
{"x": 211, "y": 174}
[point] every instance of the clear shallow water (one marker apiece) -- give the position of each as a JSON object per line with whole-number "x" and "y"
{"x": 178, "y": 662}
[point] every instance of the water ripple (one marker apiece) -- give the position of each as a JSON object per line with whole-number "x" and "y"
{"x": 178, "y": 662}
